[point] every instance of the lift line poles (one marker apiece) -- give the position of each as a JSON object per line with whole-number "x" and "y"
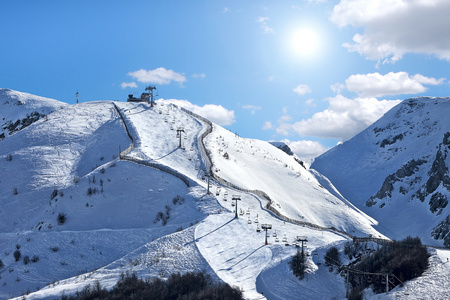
{"x": 236, "y": 198}
{"x": 179, "y": 131}
{"x": 266, "y": 227}
{"x": 303, "y": 240}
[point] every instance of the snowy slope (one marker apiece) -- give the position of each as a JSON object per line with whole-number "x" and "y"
{"x": 397, "y": 169}
{"x": 68, "y": 164}
{"x": 18, "y": 110}
{"x": 73, "y": 151}
{"x": 295, "y": 192}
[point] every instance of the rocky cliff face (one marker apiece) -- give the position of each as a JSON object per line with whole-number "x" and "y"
{"x": 397, "y": 170}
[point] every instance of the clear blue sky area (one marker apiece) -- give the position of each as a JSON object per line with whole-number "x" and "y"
{"x": 312, "y": 73}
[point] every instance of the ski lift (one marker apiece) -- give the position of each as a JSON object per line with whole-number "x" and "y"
{"x": 256, "y": 218}
{"x": 232, "y": 204}
{"x": 217, "y": 192}
{"x": 178, "y": 134}
{"x": 189, "y": 157}
{"x": 258, "y": 228}
{"x": 249, "y": 221}
{"x": 284, "y": 239}
{"x": 277, "y": 239}
{"x": 241, "y": 212}
{"x": 160, "y": 112}
{"x": 248, "y": 211}
{"x": 274, "y": 234}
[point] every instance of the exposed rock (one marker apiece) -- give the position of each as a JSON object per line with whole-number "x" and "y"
{"x": 391, "y": 140}
{"x": 439, "y": 171}
{"x": 387, "y": 187}
{"x": 438, "y": 202}
{"x": 442, "y": 232}
{"x": 409, "y": 168}
{"x": 20, "y": 124}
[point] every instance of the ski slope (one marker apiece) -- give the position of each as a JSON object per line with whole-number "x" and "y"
{"x": 111, "y": 205}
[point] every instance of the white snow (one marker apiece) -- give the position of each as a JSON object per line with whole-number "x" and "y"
{"x": 112, "y": 229}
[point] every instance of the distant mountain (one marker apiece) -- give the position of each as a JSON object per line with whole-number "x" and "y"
{"x": 397, "y": 170}
{"x": 19, "y": 110}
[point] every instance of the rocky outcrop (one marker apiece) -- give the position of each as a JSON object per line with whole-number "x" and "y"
{"x": 439, "y": 171}
{"x": 406, "y": 170}
{"x": 12, "y": 127}
{"x": 438, "y": 202}
{"x": 442, "y": 232}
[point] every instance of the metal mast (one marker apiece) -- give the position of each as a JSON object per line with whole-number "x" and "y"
{"x": 150, "y": 88}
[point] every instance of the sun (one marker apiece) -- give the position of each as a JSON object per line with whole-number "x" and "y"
{"x": 304, "y": 42}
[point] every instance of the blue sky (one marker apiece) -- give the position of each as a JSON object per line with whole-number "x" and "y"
{"x": 311, "y": 73}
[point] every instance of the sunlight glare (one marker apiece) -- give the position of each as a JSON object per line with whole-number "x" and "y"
{"x": 304, "y": 42}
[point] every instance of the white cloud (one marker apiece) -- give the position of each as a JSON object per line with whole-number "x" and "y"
{"x": 393, "y": 28}
{"x": 377, "y": 85}
{"x": 267, "y": 125}
{"x": 271, "y": 78}
{"x": 201, "y": 75}
{"x": 306, "y": 150}
{"x": 215, "y": 113}
{"x": 265, "y": 28}
{"x": 157, "y": 76}
{"x": 311, "y": 102}
{"x": 225, "y": 10}
{"x": 302, "y": 89}
{"x": 252, "y": 108}
{"x": 128, "y": 84}
{"x": 342, "y": 119}
{"x": 337, "y": 87}
{"x": 284, "y": 127}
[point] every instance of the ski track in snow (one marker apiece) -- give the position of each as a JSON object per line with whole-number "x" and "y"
{"x": 81, "y": 140}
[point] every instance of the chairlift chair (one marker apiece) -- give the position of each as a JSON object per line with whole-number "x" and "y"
{"x": 241, "y": 212}
{"x": 232, "y": 204}
{"x": 274, "y": 234}
{"x": 258, "y": 228}
{"x": 284, "y": 239}
{"x": 248, "y": 211}
{"x": 249, "y": 221}
{"x": 277, "y": 239}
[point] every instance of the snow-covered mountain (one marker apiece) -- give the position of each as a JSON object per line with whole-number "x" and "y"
{"x": 18, "y": 110}
{"x": 96, "y": 189}
{"x": 397, "y": 170}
